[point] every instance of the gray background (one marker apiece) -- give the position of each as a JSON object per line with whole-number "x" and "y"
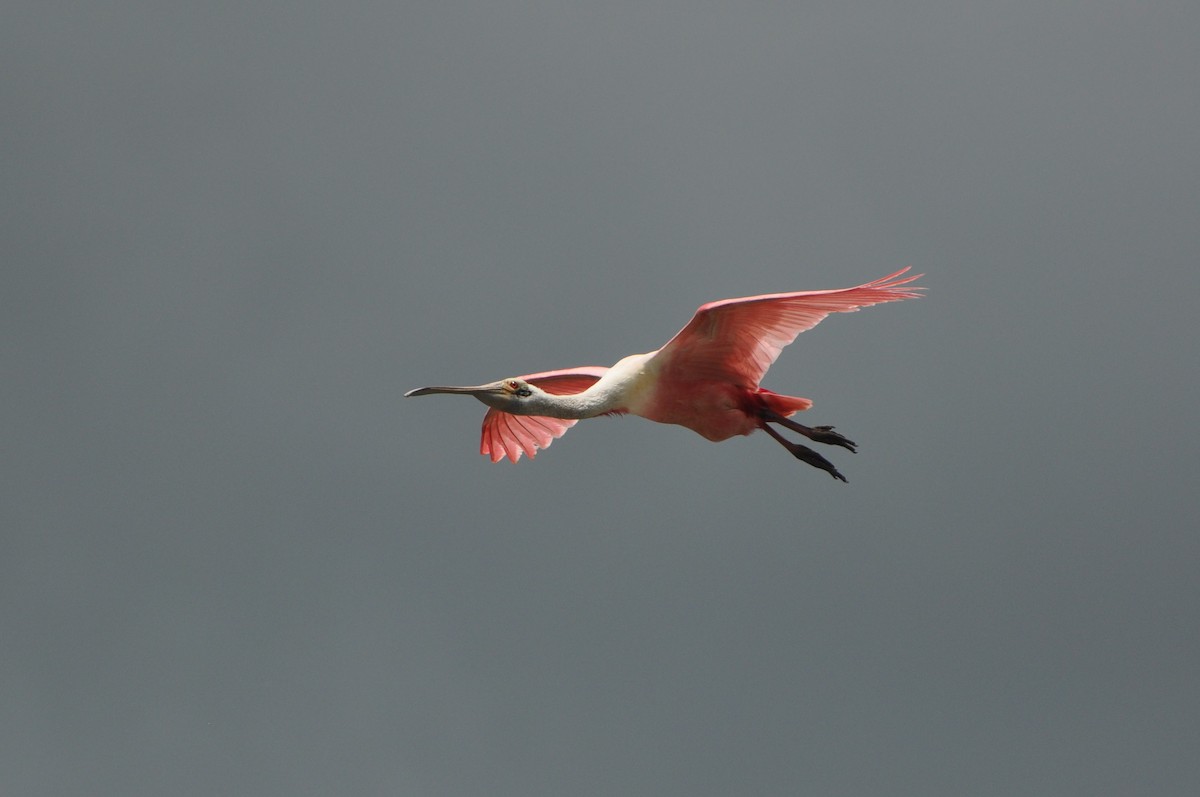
{"x": 235, "y": 561}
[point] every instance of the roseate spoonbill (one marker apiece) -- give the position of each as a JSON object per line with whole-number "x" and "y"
{"x": 705, "y": 378}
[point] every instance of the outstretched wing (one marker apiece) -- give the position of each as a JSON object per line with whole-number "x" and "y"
{"x": 737, "y": 339}
{"x": 508, "y": 435}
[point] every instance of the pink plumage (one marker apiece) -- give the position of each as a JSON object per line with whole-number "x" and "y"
{"x": 705, "y": 378}
{"x": 507, "y": 435}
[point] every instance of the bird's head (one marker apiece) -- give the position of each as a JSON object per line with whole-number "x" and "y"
{"x": 512, "y": 395}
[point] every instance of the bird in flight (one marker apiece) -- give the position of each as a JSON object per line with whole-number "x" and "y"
{"x": 705, "y": 378}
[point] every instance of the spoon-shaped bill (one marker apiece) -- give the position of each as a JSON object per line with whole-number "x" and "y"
{"x": 470, "y": 390}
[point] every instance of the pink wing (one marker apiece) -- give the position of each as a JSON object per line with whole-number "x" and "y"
{"x": 738, "y": 339}
{"x": 507, "y": 435}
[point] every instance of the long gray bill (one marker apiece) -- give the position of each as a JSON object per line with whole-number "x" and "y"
{"x": 470, "y": 390}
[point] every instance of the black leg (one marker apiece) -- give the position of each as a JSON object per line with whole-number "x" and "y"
{"x": 805, "y": 454}
{"x": 818, "y": 434}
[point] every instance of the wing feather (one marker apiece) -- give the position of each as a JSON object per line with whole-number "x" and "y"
{"x": 508, "y": 435}
{"x": 738, "y": 339}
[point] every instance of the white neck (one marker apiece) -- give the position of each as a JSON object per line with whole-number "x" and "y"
{"x": 596, "y": 400}
{"x": 622, "y": 389}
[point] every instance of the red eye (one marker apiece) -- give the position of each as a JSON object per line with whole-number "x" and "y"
{"x": 513, "y": 384}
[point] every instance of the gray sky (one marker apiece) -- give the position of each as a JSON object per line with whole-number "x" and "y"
{"x": 234, "y": 561}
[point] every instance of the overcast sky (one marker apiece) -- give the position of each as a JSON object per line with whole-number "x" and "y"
{"x": 233, "y": 560}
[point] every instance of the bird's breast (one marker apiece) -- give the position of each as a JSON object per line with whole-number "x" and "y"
{"x": 715, "y": 410}
{"x": 631, "y": 382}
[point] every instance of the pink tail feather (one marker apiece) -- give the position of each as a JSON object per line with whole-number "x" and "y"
{"x": 784, "y": 405}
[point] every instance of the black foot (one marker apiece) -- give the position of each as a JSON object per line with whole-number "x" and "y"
{"x": 806, "y": 454}
{"x": 818, "y": 434}
{"x": 825, "y": 434}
